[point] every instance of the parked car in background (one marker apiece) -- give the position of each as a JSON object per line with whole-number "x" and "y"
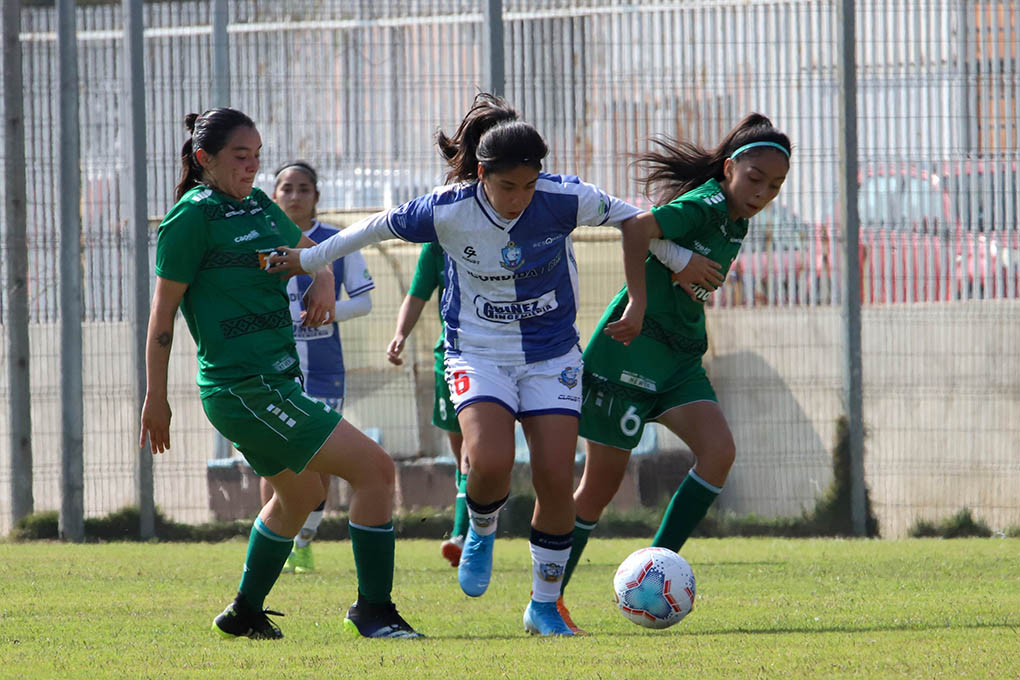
{"x": 916, "y": 243}
{"x": 775, "y": 266}
{"x": 951, "y": 232}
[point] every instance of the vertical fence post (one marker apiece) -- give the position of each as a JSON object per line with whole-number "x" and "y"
{"x": 492, "y": 47}
{"x": 16, "y": 219}
{"x": 135, "y": 209}
{"x": 72, "y": 502}
{"x": 220, "y": 94}
{"x": 850, "y": 219}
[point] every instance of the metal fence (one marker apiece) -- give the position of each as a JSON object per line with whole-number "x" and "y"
{"x": 359, "y": 89}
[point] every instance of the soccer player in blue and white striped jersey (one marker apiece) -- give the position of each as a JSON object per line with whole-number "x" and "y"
{"x": 509, "y": 310}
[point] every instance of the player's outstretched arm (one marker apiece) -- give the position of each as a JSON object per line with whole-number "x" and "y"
{"x": 407, "y": 317}
{"x": 155, "y": 418}
{"x": 294, "y": 261}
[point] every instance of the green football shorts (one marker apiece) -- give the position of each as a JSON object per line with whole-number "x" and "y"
{"x": 271, "y": 421}
{"x": 444, "y": 413}
{"x": 615, "y": 414}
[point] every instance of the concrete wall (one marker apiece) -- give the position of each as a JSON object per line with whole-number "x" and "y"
{"x": 941, "y": 408}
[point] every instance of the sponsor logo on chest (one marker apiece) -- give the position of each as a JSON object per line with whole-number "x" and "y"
{"x": 250, "y": 236}
{"x": 515, "y": 310}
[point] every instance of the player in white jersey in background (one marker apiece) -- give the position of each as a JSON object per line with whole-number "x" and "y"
{"x": 296, "y": 190}
{"x": 509, "y": 310}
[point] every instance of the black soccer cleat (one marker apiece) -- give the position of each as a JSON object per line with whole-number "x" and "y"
{"x": 239, "y": 620}
{"x": 369, "y": 620}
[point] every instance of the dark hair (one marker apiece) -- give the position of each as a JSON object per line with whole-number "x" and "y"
{"x": 303, "y": 166}
{"x": 492, "y": 135}
{"x": 209, "y": 131}
{"x": 682, "y": 165}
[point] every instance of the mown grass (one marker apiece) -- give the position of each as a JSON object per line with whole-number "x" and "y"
{"x": 766, "y": 608}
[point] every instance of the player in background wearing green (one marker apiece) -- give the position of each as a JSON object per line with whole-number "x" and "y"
{"x": 296, "y": 190}
{"x": 210, "y": 256}
{"x": 704, "y": 199}
{"x": 428, "y": 276}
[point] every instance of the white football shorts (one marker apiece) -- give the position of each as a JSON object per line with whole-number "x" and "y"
{"x": 550, "y": 386}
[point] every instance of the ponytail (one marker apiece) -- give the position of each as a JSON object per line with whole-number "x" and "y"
{"x": 680, "y": 166}
{"x": 210, "y": 132}
{"x": 492, "y": 135}
{"x": 191, "y": 171}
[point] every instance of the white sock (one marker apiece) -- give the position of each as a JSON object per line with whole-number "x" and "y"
{"x": 483, "y": 524}
{"x": 309, "y": 530}
{"x": 547, "y": 568}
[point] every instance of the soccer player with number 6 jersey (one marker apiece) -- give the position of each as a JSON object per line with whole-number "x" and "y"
{"x": 704, "y": 199}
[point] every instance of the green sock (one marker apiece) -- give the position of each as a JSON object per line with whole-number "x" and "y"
{"x": 267, "y": 553}
{"x": 582, "y": 529}
{"x": 689, "y": 505}
{"x": 373, "y": 559}
{"x": 460, "y": 513}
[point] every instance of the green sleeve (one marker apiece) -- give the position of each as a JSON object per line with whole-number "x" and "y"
{"x": 679, "y": 218}
{"x": 291, "y": 232}
{"x": 181, "y": 242}
{"x": 427, "y": 275}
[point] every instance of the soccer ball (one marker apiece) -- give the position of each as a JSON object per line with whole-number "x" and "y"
{"x": 654, "y": 588}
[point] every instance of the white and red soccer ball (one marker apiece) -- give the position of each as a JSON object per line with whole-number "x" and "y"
{"x": 654, "y": 588}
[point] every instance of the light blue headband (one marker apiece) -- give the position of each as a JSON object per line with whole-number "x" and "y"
{"x": 755, "y": 145}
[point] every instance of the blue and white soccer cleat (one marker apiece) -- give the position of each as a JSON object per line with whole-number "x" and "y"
{"x": 543, "y": 618}
{"x": 475, "y": 568}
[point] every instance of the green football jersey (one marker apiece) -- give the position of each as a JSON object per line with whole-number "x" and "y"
{"x": 238, "y": 314}
{"x": 428, "y": 276}
{"x": 673, "y": 333}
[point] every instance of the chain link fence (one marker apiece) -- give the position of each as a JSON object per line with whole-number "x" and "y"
{"x": 359, "y": 89}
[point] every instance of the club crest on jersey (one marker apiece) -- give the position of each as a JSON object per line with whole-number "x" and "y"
{"x": 568, "y": 376}
{"x": 513, "y": 257}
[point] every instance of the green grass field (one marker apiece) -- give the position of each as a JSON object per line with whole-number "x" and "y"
{"x": 765, "y": 609}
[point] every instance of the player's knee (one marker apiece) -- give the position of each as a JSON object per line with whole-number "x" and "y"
{"x": 384, "y": 470}
{"x": 491, "y": 468}
{"x": 304, "y": 502}
{"x": 723, "y": 453}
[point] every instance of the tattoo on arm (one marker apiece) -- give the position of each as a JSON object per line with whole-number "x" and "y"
{"x": 164, "y": 338}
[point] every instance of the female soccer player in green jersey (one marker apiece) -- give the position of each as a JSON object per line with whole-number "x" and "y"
{"x": 428, "y": 276}
{"x": 704, "y": 199}
{"x": 210, "y": 257}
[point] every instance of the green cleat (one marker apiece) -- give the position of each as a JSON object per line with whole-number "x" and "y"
{"x": 301, "y": 561}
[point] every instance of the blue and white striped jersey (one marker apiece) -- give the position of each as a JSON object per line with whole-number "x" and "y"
{"x": 320, "y": 349}
{"x": 511, "y": 293}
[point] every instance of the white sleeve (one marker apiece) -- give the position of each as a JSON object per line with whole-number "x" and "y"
{"x": 596, "y": 208}
{"x": 359, "y": 305}
{"x": 670, "y": 254}
{"x": 355, "y": 237}
{"x": 357, "y": 280}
